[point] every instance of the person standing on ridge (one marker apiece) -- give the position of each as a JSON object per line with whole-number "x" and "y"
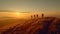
{"x": 42, "y": 15}
{"x": 31, "y": 17}
{"x": 37, "y": 15}
{"x": 34, "y": 16}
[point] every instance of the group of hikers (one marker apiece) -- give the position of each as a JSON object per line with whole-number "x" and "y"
{"x": 36, "y": 16}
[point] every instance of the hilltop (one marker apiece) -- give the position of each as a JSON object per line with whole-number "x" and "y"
{"x": 47, "y": 25}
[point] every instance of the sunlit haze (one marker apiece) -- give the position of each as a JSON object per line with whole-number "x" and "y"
{"x": 25, "y": 8}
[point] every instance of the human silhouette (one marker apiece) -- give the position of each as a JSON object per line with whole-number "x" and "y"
{"x": 42, "y": 15}
{"x": 31, "y": 16}
{"x": 37, "y": 15}
{"x": 34, "y": 16}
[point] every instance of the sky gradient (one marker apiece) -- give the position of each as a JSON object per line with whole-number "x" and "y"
{"x": 30, "y": 5}
{"x": 12, "y": 8}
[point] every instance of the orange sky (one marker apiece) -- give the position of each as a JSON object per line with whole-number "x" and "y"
{"x": 27, "y": 15}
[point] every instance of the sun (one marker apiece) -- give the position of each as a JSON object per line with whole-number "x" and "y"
{"x": 17, "y": 14}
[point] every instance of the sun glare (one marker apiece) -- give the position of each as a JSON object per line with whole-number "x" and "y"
{"x": 17, "y": 14}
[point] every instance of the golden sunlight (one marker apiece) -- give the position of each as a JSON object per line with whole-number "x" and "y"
{"x": 17, "y": 13}
{"x": 20, "y": 15}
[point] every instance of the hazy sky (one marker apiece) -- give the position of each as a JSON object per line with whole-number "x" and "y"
{"x": 30, "y": 5}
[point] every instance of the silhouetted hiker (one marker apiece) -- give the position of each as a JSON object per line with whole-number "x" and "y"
{"x": 31, "y": 16}
{"x": 42, "y": 15}
{"x": 37, "y": 15}
{"x": 34, "y": 16}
